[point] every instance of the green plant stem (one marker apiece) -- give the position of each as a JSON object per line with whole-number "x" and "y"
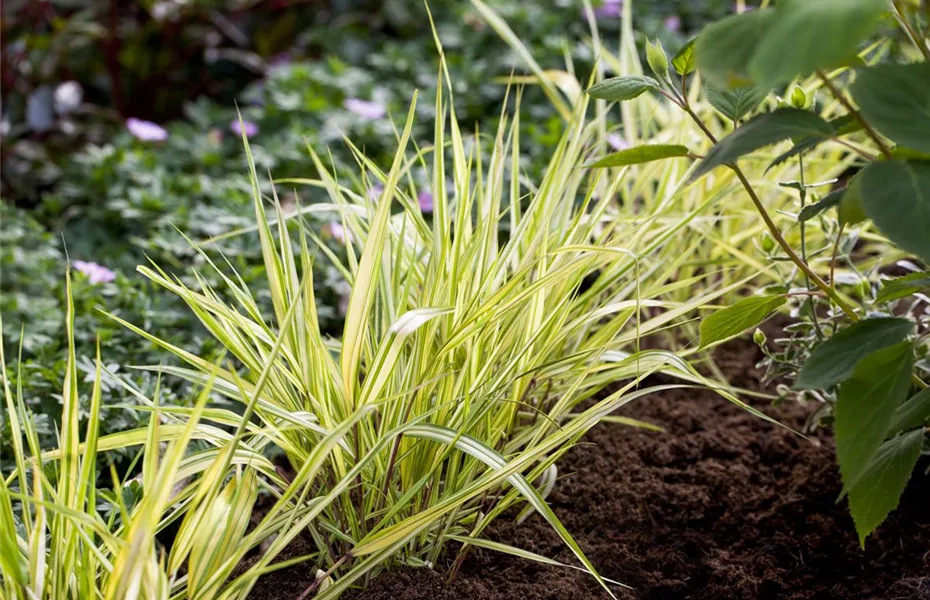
{"x": 803, "y": 197}
{"x": 912, "y": 33}
{"x": 842, "y": 99}
{"x": 773, "y": 229}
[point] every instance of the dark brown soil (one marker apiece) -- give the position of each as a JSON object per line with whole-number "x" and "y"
{"x": 722, "y": 506}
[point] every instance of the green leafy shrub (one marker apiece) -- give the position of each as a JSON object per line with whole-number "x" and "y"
{"x": 855, "y": 348}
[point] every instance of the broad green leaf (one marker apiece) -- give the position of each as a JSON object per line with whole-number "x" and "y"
{"x": 733, "y": 320}
{"x": 762, "y": 131}
{"x": 684, "y": 61}
{"x": 912, "y": 414}
{"x": 835, "y": 359}
{"x": 657, "y": 59}
{"x": 639, "y": 155}
{"x": 627, "y": 87}
{"x": 842, "y": 125}
{"x": 881, "y": 484}
{"x": 805, "y": 35}
{"x": 901, "y": 287}
{"x": 812, "y": 210}
{"x": 896, "y": 196}
{"x": 865, "y": 405}
{"x": 735, "y": 103}
{"x": 850, "y": 211}
{"x": 724, "y": 49}
{"x": 895, "y": 99}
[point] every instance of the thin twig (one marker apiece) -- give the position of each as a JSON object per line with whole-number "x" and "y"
{"x": 773, "y": 229}
{"x": 321, "y": 578}
{"x": 842, "y": 99}
{"x": 912, "y": 33}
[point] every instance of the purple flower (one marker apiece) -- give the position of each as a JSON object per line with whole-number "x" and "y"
{"x": 364, "y": 108}
{"x": 146, "y": 130}
{"x": 249, "y": 128}
{"x": 425, "y": 200}
{"x": 94, "y": 272}
{"x": 741, "y": 7}
{"x": 617, "y": 142}
{"x": 335, "y": 230}
{"x": 375, "y": 191}
{"x": 279, "y": 61}
{"x": 673, "y": 23}
{"x": 608, "y": 9}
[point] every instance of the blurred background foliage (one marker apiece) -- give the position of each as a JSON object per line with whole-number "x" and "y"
{"x": 80, "y": 182}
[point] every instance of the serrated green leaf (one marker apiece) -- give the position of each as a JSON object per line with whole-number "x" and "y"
{"x": 724, "y": 49}
{"x": 762, "y": 131}
{"x": 895, "y": 99}
{"x": 913, "y": 413}
{"x": 829, "y": 201}
{"x": 639, "y": 155}
{"x": 684, "y": 61}
{"x": 619, "y": 89}
{"x": 804, "y": 36}
{"x": 835, "y": 359}
{"x": 881, "y": 484}
{"x": 901, "y": 287}
{"x": 733, "y": 320}
{"x": 735, "y": 103}
{"x": 865, "y": 405}
{"x": 896, "y": 196}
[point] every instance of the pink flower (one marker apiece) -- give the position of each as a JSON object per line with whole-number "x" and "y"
{"x": 279, "y": 61}
{"x": 617, "y": 142}
{"x": 250, "y": 129}
{"x": 375, "y": 191}
{"x": 608, "y": 9}
{"x": 425, "y": 200}
{"x": 94, "y": 272}
{"x": 146, "y": 130}
{"x": 673, "y": 23}
{"x": 364, "y": 108}
{"x": 335, "y": 230}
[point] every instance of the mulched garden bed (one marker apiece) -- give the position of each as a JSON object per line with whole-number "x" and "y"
{"x": 722, "y": 506}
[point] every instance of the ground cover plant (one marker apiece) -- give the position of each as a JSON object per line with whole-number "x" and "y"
{"x": 466, "y": 355}
{"x": 112, "y": 185}
{"x": 857, "y": 351}
{"x": 496, "y": 309}
{"x": 466, "y": 362}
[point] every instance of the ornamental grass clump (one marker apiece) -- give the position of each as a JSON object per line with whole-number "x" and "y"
{"x": 470, "y": 360}
{"x": 64, "y": 535}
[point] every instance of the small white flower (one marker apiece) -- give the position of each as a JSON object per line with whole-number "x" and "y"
{"x": 68, "y": 96}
